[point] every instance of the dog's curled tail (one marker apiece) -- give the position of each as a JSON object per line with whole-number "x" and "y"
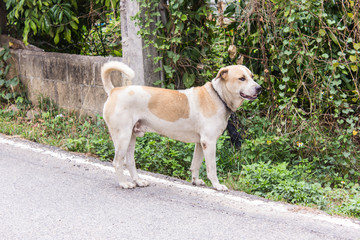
{"x": 108, "y": 67}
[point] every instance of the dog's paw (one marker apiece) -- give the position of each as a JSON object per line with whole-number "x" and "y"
{"x": 127, "y": 185}
{"x": 142, "y": 183}
{"x": 198, "y": 182}
{"x": 221, "y": 187}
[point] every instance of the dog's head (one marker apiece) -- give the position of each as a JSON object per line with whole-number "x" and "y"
{"x": 238, "y": 81}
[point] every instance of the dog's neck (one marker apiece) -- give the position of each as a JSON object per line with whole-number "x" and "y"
{"x": 218, "y": 89}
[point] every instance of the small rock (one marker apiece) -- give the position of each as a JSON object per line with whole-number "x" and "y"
{"x": 13, "y": 108}
{"x": 31, "y": 114}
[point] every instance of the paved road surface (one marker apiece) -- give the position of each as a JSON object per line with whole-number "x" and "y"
{"x": 46, "y": 193}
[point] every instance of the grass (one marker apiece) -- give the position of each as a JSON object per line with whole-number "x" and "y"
{"x": 268, "y": 165}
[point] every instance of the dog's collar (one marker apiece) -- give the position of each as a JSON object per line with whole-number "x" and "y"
{"x": 222, "y": 100}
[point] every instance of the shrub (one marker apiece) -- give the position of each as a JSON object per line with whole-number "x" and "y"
{"x": 163, "y": 155}
{"x": 10, "y": 88}
{"x": 277, "y": 181}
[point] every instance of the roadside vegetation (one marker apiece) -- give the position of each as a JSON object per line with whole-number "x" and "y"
{"x": 301, "y": 138}
{"x": 273, "y": 176}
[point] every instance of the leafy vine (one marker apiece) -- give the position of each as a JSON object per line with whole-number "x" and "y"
{"x": 183, "y": 34}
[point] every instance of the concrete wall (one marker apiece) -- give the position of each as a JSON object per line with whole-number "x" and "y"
{"x": 72, "y": 81}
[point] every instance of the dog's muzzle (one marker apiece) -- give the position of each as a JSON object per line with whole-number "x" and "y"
{"x": 258, "y": 90}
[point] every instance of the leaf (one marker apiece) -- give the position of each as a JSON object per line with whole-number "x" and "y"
{"x": 61, "y": 16}
{"x": 356, "y": 46}
{"x": 6, "y": 71}
{"x": 183, "y": 17}
{"x": 336, "y": 83}
{"x": 46, "y": 24}
{"x": 288, "y": 52}
{"x": 5, "y": 57}
{"x": 60, "y": 29}
{"x": 282, "y": 87}
{"x": 75, "y": 19}
{"x": 354, "y": 68}
{"x": 188, "y": 80}
{"x": 332, "y": 36}
{"x": 285, "y": 79}
{"x": 26, "y": 31}
{"x": 330, "y": 22}
{"x": 287, "y": 29}
{"x": 117, "y": 53}
{"x": 353, "y": 58}
{"x": 168, "y": 71}
{"x": 335, "y": 64}
{"x": 325, "y": 55}
{"x": 14, "y": 82}
{"x": 74, "y": 25}
{"x": 68, "y": 35}
{"x": 8, "y": 96}
{"x": 27, "y": 12}
{"x": 56, "y": 38}
{"x": 175, "y": 57}
{"x": 68, "y": 13}
{"x": 322, "y": 32}
{"x": 33, "y": 27}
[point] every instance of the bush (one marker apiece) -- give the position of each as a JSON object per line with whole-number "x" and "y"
{"x": 10, "y": 88}
{"x": 163, "y": 155}
{"x": 305, "y": 54}
{"x": 280, "y": 183}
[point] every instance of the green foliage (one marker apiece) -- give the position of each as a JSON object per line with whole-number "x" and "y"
{"x": 307, "y": 57}
{"x": 291, "y": 184}
{"x": 65, "y": 22}
{"x": 279, "y": 182}
{"x": 55, "y": 18}
{"x": 167, "y": 156}
{"x": 305, "y": 54}
{"x": 10, "y": 88}
{"x": 163, "y": 155}
{"x": 184, "y": 40}
{"x": 104, "y": 39}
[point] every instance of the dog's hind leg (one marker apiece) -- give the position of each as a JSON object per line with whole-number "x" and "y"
{"x": 196, "y": 164}
{"x": 121, "y": 143}
{"x": 130, "y": 161}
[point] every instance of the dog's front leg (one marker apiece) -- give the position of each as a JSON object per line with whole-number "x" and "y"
{"x": 209, "y": 149}
{"x": 196, "y": 164}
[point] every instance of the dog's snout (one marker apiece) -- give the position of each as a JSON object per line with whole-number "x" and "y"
{"x": 258, "y": 89}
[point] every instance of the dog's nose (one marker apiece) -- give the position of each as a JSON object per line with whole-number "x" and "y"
{"x": 258, "y": 89}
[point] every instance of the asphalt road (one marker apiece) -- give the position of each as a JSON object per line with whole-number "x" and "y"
{"x": 47, "y": 193}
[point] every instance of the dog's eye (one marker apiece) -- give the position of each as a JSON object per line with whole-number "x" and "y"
{"x": 242, "y": 79}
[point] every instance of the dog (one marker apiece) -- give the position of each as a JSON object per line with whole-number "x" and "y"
{"x": 197, "y": 115}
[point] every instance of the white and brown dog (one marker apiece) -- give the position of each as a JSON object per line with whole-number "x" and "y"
{"x": 198, "y": 115}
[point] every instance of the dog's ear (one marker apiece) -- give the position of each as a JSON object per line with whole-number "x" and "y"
{"x": 223, "y": 73}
